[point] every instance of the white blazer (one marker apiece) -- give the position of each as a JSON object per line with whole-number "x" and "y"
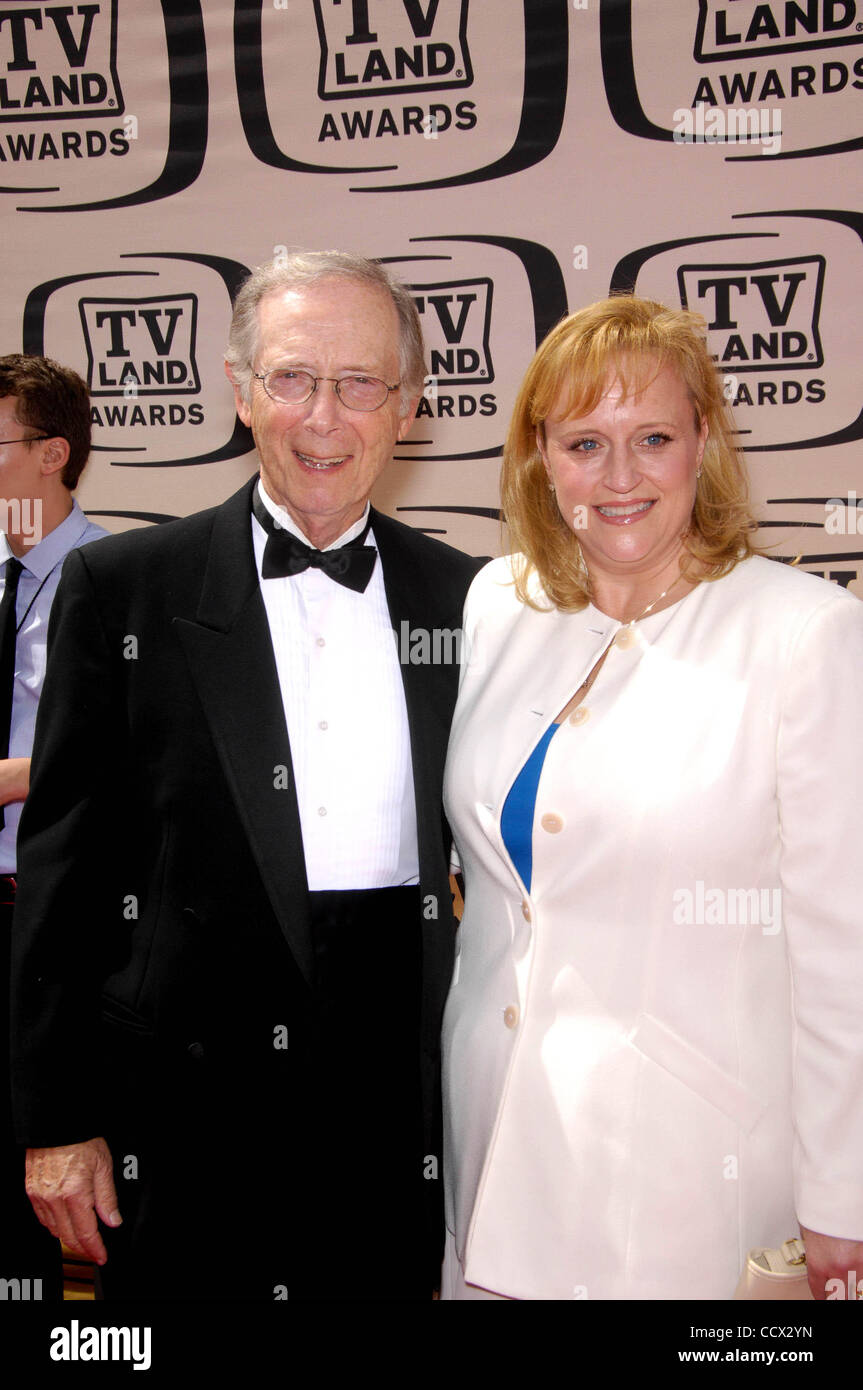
{"x": 654, "y": 1058}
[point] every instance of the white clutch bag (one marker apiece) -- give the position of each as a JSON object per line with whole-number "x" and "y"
{"x": 775, "y": 1274}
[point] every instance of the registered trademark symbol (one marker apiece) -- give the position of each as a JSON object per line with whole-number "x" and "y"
{"x": 111, "y": 101}
{"x": 482, "y": 371}
{"x": 809, "y": 356}
{"x": 458, "y": 71}
{"x": 859, "y": 28}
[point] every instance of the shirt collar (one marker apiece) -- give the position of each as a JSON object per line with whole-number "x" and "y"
{"x": 287, "y": 523}
{"x": 40, "y": 559}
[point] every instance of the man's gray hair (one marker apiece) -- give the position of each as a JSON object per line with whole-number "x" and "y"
{"x": 298, "y": 269}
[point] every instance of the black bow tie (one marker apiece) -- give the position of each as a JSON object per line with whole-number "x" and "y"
{"x": 286, "y": 554}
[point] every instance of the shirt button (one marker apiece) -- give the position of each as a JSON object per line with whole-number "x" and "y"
{"x": 320, "y": 642}
{"x": 323, "y": 724}
{"x": 322, "y": 810}
{"x": 625, "y": 638}
{"x": 580, "y": 715}
{"x": 525, "y": 910}
{"x": 510, "y": 1016}
{"x": 552, "y": 823}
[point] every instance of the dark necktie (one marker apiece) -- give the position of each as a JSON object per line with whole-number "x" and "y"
{"x": 285, "y": 554}
{"x": 7, "y": 657}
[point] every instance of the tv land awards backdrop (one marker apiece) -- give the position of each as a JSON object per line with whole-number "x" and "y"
{"x": 512, "y": 159}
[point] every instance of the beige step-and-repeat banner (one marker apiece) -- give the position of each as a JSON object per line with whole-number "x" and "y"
{"x": 512, "y": 159}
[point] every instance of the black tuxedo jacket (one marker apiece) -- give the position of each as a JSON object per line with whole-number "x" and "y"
{"x": 161, "y": 929}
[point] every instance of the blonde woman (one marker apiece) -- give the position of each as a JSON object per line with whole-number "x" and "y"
{"x": 654, "y": 1038}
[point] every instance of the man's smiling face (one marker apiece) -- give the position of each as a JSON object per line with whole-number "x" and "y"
{"x": 320, "y": 460}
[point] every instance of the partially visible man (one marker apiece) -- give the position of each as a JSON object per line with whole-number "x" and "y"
{"x": 235, "y": 856}
{"x": 44, "y": 444}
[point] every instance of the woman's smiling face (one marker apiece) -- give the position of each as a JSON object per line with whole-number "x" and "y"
{"x": 625, "y": 474}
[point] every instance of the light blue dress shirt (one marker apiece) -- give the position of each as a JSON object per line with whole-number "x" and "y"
{"x": 36, "y": 589}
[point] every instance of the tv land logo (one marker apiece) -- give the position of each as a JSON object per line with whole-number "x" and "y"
{"x": 140, "y": 354}
{"x": 476, "y": 336}
{"x": 372, "y": 87}
{"x": 482, "y": 317}
{"x": 152, "y": 405}
{"x": 761, "y": 317}
{"x": 369, "y": 47}
{"x": 141, "y": 347}
{"x": 782, "y": 332}
{"x": 778, "y": 328}
{"x": 59, "y": 60}
{"x": 743, "y": 29}
{"x": 485, "y": 302}
{"x": 796, "y": 56}
{"x": 66, "y": 117}
{"x": 456, "y": 320}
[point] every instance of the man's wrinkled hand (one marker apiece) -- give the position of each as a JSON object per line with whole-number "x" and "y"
{"x": 69, "y": 1187}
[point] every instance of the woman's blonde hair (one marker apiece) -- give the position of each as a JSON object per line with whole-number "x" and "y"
{"x": 628, "y": 340}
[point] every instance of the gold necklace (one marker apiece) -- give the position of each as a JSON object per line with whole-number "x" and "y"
{"x": 652, "y": 605}
{"x": 623, "y": 638}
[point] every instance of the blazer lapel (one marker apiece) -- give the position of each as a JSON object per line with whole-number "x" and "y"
{"x": 231, "y": 659}
{"x": 548, "y": 663}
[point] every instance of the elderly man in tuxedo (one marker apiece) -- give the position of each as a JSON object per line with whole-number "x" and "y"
{"x": 234, "y": 931}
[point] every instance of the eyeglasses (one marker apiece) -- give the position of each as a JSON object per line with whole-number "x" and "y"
{"x": 290, "y": 387}
{"x": 30, "y": 439}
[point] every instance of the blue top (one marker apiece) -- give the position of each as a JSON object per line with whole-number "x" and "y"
{"x": 36, "y": 588}
{"x": 516, "y": 821}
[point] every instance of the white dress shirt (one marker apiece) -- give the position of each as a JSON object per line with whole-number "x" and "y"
{"x": 344, "y": 702}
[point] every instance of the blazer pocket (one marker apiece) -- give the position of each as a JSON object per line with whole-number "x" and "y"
{"x": 689, "y": 1066}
